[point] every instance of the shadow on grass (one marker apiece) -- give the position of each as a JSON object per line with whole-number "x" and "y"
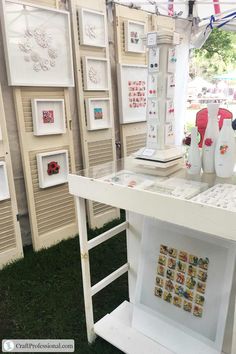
{"x": 41, "y": 296}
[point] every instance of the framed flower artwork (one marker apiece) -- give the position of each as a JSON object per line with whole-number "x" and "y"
{"x": 132, "y": 90}
{"x": 98, "y": 113}
{"x": 4, "y": 187}
{"x": 53, "y": 168}
{"x": 183, "y": 288}
{"x": 134, "y": 31}
{"x": 48, "y": 116}
{"x": 37, "y": 44}
{"x": 92, "y": 28}
{"x": 95, "y": 74}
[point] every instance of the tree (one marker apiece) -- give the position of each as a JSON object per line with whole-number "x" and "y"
{"x": 217, "y": 55}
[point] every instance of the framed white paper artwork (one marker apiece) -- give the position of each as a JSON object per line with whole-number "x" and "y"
{"x": 37, "y": 44}
{"x": 53, "y": 168}
{"x": 92, "y": 28}
{"x": 95, "y": 74}
{"x": 183, "y": 288}
{"x": 98, "y": 113}
{"x": 134, "y": 31}
{"x": 132, "y": 90}
{"x": 48, "y": 116}
{"x": 4, "y": 187}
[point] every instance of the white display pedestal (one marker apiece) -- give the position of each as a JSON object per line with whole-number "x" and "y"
{"x": 91, "y": 184}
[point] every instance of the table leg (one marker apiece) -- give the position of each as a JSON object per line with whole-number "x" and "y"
{"x": 86, "y": 277}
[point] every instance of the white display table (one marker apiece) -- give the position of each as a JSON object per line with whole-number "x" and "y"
{"x": 143, "y": 195}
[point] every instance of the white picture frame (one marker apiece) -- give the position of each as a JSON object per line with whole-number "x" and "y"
{"x": 133, "y": 36}
{"x": 98, "y": 113}
{"x": 128, "y": 75}
{"x": 4, "y": 186}
{"x": 178, "y": 330}
{"x": 93, "y": 30}
{"x": 95, "y": 74}
{"x": 48, "y": 116}
{"x": 49, "y": 175}
{"x": 37, "y": 42}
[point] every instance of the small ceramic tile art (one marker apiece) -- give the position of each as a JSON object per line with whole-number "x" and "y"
{"x": 48, "y": 116}
{"x": 181, "y": 279}
{"x": 98, "y": 114}
{"x": 137, "y": 94}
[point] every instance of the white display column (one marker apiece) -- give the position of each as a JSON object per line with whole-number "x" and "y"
{"x": 161, "y": 90}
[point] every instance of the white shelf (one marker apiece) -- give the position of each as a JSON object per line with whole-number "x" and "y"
{"x": 116, "y": 329}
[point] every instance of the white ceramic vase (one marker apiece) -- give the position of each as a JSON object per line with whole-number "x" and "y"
{"x": 225, "y": 151}
{"x": 193, "y": 163}
{"x": 210, "y": 139}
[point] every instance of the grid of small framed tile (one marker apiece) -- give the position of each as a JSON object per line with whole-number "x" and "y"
{"x": 181, "y": 279}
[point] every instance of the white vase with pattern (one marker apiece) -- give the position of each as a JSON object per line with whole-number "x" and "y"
{"x": 193, "y": 163}
{"x": 225, "y": 151}
{"x": 210, "y": 139}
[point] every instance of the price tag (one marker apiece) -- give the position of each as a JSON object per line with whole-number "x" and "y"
{"x": 148, "y": 152}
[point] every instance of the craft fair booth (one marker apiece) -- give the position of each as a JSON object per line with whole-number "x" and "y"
{"x": 179, "y": 225}
{"x": 119, "y": 82}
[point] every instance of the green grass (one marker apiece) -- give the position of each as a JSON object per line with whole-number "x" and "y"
{"x": 41, "y": 296}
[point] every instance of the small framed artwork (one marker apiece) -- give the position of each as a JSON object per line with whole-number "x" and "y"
{"x": 170, "y": 111}
{"x": 170, "y": 86}
{"x": 92, "y": 28}
{"x": 132, "y": 90}
{"x": 172, "y": 60}
{"x": 183, "y": 288}
{"x": 134, "y": 31}
{"x": 98, "y": 113}
{"x": 48, "y": 116}
{"x": 4, "y": 187}
{"x": 37, "y": 43}
{"x": 95, "y": 74}
{"x": 53, "y": 168}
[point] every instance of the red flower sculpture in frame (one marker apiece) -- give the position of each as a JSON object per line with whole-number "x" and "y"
{"x": 53, "y": 168}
